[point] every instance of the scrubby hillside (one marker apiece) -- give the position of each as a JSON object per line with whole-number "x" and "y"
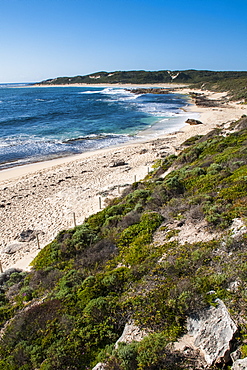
{"x": 144, "y": 77}
{"x": 236, "y": 87}
{"x": 150, "y": 258}
{"x": 233, "y": 82}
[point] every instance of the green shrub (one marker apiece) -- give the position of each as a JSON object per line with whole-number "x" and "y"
{"x": 152, "y": 351}
{"x": 214, "y": 168}
{"x": 127, "y": 354}
{"x": 26, "y": 293}
{"x": 192, "y": 140}
{"x": 174, "y": 185}
{"x": 149, "y": 222}
{"x": 68, "y": 284}
{"x": 92, "y": 279}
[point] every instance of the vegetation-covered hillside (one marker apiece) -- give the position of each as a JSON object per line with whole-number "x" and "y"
{"x": 236, "y": 86}
{"x": 232, "y": 81}
{"x": 144, "y": 77}
{"x": 129, "y": 262}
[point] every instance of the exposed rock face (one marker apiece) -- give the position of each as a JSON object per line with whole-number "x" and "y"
{"x": 193, "y": 122}
{"x": 213, "y": 331}
{"x": 131, "y": 333}
{"x": 202, "y": 101}
{"x": 238, "y": 228}
{"x": 99, "y": 366}
{"x": 236, "y": 355}
{"x": 240, "y": 364}
{"x": 149, "y": 91}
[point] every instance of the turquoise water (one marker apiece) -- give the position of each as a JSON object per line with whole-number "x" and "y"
{"x": 38, "y": 123}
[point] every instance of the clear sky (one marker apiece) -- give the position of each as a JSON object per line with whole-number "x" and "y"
{"x": 42, "y": 39}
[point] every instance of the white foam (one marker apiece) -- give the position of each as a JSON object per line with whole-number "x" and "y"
{"x": 157, "y": 109}
{"x": 116, "y": 91}
{"x": 3, "y": 144}
{"x": 89, "y": 92}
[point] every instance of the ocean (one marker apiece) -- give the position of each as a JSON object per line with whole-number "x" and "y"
{"x": 40, "y": 123}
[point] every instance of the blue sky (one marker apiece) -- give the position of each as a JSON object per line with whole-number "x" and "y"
{"x": 42, "y": 39}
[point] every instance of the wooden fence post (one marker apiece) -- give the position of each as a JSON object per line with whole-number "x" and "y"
{"x": 37, "y": 241}
{"x": 74, "y": 219}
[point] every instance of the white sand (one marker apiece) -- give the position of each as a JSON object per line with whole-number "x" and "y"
{"x": 44, "y": 196}
{"x": 228, "y": 112}
{"x": 161, "y": 85}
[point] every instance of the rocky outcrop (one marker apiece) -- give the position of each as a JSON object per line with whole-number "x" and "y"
{"x": 118, "y": 163}
{"x": 210, "y": 334}
{"x": 151, "y": 90}
{"x": 238, "y": 228}
{"x": 27, "y": 235}
{"x": 12, "y": 248}
{"x": 240, "y": 364}
{"x": 202, "y": 101}
{"x": 99, "y": 366}
{"x": 213, "y": 332}
{"x": 193, "y": 122}
{"x": 131, "y": 333}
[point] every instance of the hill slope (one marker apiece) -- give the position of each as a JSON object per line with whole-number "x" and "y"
{"x": 232, "y": 81}
{"x": 132, "y": 262}
{"x": 145, "y": 77}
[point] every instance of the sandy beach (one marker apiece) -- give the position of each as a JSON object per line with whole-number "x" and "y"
{"x": 47, "y": 197}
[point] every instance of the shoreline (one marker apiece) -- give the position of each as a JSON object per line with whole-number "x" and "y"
{"x": 44, "y": 197}
{"x": 149, "y": 134}
{"x": 146, "y": 133}
{"x": 123, "y": 85}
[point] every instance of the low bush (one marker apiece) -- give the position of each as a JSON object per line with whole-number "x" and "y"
{"x": 69, "y": 311}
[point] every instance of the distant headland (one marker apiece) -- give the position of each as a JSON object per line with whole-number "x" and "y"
{"x": 234, "y": 82}
{"x": 147, "y": 77}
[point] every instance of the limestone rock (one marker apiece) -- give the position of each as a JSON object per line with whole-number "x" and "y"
{"x": 236, "y": 355}
{"x": 240, "y": 364}
{"x": 28, "y": 235}
{"x": 99, "y": 366}
{"x": 12, "y": 248}
{"x": 143, "y": 151}
{"x": 131, "y": 333}
{"x": 238, "y": 228}
{"x": 150, "y": 90}
{"x": 193, "y": 122}
{"x": 118, "y": 163}
{"x": 213, "y": 331}
{"x": 233, "y": 286}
